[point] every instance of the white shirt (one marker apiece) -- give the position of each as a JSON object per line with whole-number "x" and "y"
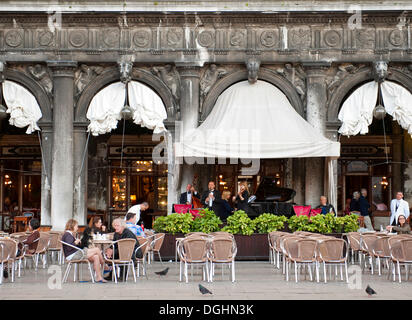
{"x": 210, "y": 198}
{"x": 135, "y": 209}
{"x": 189, "y": 197}
{"x": 403, "y": 209}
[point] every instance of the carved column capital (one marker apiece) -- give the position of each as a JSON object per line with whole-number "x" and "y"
{"x": 316, "y": 68}
{"x": 62, "y": 68}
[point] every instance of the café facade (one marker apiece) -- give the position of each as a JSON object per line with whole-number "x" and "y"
{"x": 70, "y": 148}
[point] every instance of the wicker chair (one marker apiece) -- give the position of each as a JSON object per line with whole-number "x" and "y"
{"x": 56, "y": 246}
{"x": 156, "y": 245}
{"x": 381, "y": 252}
{"x": 10, "y": 247}
{"x": 41, "y": 250}
{"x": 367, "y": 246}
{"x": 354, "y": 239}
{"x": 331, "y": 252}
{"x": 4, "y": 258}
{"x": 193, "y": 250}
{"x": 305, "y": 255}
{"x": 285, "y": 253}
{"x": 398, "y": 253}
{"x": 76, "y": 264}
{"x": 126, "y": 250}
{"x": 144, "y": 247}
{"x": 221, "y": 234}
{"x": 222, "y": 251}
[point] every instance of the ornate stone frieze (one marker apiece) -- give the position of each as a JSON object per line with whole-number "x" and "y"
{"x": 42, "y": 75}
{"x": 296, "y": 75}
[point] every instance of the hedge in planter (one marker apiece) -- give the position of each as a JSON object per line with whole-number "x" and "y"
{"x": 239, "y": 223}
{"x": 268, "y": 222}
{"x": 327, "y": 223}
{"x": 207, "y": 222}
{"x": 174, "y": 223}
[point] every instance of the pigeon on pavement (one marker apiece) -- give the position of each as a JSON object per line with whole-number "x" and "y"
{"x": 163, "y": 272}
{"x": 204, "y": 290}
{"x": 370, "y": 291}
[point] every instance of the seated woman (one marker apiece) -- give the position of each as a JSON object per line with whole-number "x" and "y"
{"x": 92, "y": 254}
{"x": 242, "y": 198}
{"x": 97, "y": 226}
{"x": 226, "y": 210}
{"x": 402, "y": 227}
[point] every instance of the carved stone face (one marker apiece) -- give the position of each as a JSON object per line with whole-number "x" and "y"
{"x": 380, "y": 70}
{"x": 253, "y": 69}
{"x": 125, "y": 71}
{"x": 212, "y": 67}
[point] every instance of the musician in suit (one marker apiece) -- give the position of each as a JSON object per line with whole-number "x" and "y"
{"x": 186, "y": 197}
{"x": 212, "y": 199}
{"x": 398, "y": 207}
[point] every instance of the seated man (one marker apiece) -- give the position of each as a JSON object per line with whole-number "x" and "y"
{"x": 132, "y": 226}
{"x": 121, "y": 232}
{"x": 325, "y": 206}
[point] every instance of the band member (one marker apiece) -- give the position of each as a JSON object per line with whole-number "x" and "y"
{"x": 242, "y": 197}
{"x": 187, "y": 197}
{"x": 212, "y": 198}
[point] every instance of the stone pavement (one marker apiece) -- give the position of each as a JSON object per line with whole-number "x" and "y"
{"x": 254, "y": 280}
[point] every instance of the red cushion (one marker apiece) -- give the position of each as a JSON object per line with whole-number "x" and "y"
{"x": 302, "y": 210}
{"x": 315, "y": 212}
{"x": 182, "y": 208}
{"x": 195, "y": 213}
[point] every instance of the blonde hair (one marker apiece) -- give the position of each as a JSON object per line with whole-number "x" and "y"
{"x": 225, "y": 194}
{"x": 70, "y": 224}
{"x": 119, "y": 221}
{"x": 244, "y": 183}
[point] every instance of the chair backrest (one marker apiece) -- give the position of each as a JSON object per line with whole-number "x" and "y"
{"x": 144, "y": 244}
{"x": 307, "y": 249}
{"x": 158, "y": 241}
{"x": 368, "y": 242}
{"x": 302, "y": 210}
{"x": 394, "y": 243}
{"x": 221, "y": 233}
{"x": 44, "y": 242}
{"x": 332, "y": 249}
{"x": 194, "y": 249}
{"x": 11, "y": 247}
{"x": 354, "y": 240}
{"x": 54, "y": 240}
{"x": 406, "y": 245}
{"x": 315, "y": 212}
{"x": 222, "y": 249}
{"x": 201, "y": 234}
{"x": 125, "y": 247}
{"x": 290, "y": 245}
{"x": 4, "y": 252}
{"x": 381, "y": 246}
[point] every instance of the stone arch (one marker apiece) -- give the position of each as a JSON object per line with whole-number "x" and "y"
{"x": 36, "y": 89}
{"x": 354, "y": 81}
{"x": 112, "y": 75}
{"x": 264, "y": 74}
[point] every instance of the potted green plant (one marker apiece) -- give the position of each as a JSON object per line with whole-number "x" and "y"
{"x": 239, "y": 223}
{"x": 268, "y": 222}
{"x": 206, "y": 222}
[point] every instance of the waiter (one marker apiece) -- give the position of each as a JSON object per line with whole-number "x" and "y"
{"x": 187, "y": 197}
{"x": 136, "y": 209}
{"x": 212, "y": 198}
{"x": 398, "y": 207}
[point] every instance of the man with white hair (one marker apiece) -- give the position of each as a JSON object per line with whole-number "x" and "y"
{"x": 398, "y": 207}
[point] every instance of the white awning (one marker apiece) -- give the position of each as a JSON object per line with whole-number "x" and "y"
{"x": 356, "y": 113}
{"x": 105, "y": 108}
{"x": 255, "y": 121}
{"x": 22, "y": 106}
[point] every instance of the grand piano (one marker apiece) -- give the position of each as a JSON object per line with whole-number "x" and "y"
{"x": 271, "y": 199}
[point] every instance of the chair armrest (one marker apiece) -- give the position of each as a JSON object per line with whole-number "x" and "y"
{"x": 140, "y": 247}
{"x": 68, "y": 244}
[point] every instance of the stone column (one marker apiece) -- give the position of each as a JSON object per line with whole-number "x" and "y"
{"x": 332, "y": 134}
{"x": 80, "y": 157}
{"x": 298, "y": 183}
{"x": 189, "y": 113}
{"x": 397, "y": 177}
{"x": 316, "y": 116}
{"x": 47, "y": 146}
{"x": 62, "y": 166}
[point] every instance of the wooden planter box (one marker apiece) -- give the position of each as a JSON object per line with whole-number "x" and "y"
{"x": 254, "y": 247}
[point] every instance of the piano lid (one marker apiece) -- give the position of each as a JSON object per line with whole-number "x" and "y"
{"x": 267, "y": 191}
